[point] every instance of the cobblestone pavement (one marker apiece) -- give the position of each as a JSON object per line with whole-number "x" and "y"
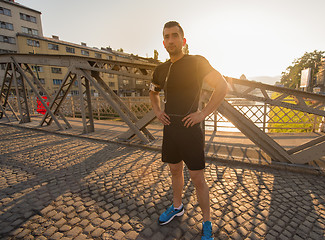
{"x": 59, "y": 187}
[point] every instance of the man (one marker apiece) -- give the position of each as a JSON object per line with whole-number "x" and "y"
{"x": 181, "y": 78}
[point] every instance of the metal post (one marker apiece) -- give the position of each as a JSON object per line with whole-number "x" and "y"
{"x": 264, "y": 118}
{"x": 72, "y": 107}
{"x": 315, "y": 123}
{"x": 98, "y": 110}
{"x": 215, "y": 120}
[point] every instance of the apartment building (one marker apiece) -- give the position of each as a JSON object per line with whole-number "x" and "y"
{"x": 21, "y": 32}
{"x": 15, "y": 18}
{"x": 52, "y": 76}
{"x": 128, "y": 86}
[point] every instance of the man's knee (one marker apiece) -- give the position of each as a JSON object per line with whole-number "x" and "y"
{"x": 176, "y": 169}
{"x": 198, "y": 178}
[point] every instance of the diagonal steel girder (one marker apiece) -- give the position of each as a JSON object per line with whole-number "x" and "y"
{"x": 301, "y": 98}
{"x": 125, "y": 109}
{"x": 60, "y": 96}
{"x": 4, "y": 94}
{"x": 4, "y": 112}
{"x": 39, "y": 84}
{"x": 21, "y": 95}
{"x": 256, "y": 135}
{"x": 114, "y": 105}
{"x": 309, "y": 151}
{"x": 30, "y": 83}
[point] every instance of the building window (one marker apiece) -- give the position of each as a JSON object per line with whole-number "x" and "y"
{"x": 56, "y": 70}
{"x": 42, "y": 80}
{"x": 7, "y": 51}
{"x": 84, "y": 52}
{"x": 5, "y": 11}
{"x": 139, "y": 82}
{"x": 125, "y": 82}
{"x": 30, "y": 31}
{"x": 7, "y": 39}
{"x": 111, "y": 75}
{"x": 57, "y": 81}
{"x": 33, "y": 43}
{"x": 53, "y": 46}
{"x": 111, "y": 84}
{"x": 2, "y": 66}
{"x": 6, "y": 25}
{"x": 98, "y": 55}
{"x": 37, "y": 68}
{"x": 109, "y": 57}
{"x": 70, "y": 50}
{"x": 27, "y": 17}
{"x": 74, "y": 92}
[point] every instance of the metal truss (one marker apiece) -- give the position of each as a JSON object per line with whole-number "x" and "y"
{"x": 277, "y": 96}
{"x": 4, "y": 94}
{"x": 13, "y": 82}
{"x": 86, "y": 72}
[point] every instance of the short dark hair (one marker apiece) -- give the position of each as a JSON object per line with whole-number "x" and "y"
{"x": 171, "y": 24}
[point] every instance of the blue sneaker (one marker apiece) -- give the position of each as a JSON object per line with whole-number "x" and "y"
{"x": 169, "y": 214}
{"x": 207, "y": 231}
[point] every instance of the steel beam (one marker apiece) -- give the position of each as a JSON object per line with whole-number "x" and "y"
{"x": 39, "y": 84}
{"x": 301, "y": 98}
{"x": 5, "y": 92}
{"x": 115, "y": 106}
{"x": 125, "y": 68}
{"x": 256, "y": 135}
{"x": 4, "y": 112}
{"x": 313, "y": 152}
{"x": 21, "y": 71}
{"x": 60, "y": 97}
{"x": 21, "y": 95}
{"x": 130, "y": 114}
{"x": 85, "y": 104}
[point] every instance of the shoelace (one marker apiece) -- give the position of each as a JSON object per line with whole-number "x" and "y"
{"x": 169, "y": 210}
{"x": 207, "y": 231}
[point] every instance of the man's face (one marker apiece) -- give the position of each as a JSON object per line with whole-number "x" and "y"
{"x": 173, "y": 40}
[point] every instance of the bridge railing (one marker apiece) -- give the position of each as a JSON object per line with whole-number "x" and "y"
{"x": 88, "y": 74}
{"x": 267, "y": 118}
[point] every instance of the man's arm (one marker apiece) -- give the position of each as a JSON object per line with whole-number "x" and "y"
{"x": 155, "y": 103}
{"x": 215, "y": 80}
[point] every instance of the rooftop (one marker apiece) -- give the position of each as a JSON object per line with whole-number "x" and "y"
{"x": 12, "y": 2}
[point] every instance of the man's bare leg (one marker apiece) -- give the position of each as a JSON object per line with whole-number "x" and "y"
{"x": 177, "y": 182}
{"x": 202, "y": 192}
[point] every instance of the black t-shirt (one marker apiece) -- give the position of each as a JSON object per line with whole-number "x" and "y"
{"x": 184, "y": 83}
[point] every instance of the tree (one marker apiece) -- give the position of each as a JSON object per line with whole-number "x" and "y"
{"x": 120, "y": 50}
{"x": 185, "y": 49}
{"x": 155, "y": 54}
{"x": 292, "y": 76}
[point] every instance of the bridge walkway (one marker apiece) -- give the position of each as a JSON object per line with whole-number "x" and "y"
{"x": 65, "y": 187}
{"x": 224, "y": 146}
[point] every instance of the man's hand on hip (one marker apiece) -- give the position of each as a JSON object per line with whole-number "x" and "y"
{"x": 163, "y": 117}
{"x": 193, "y": 118}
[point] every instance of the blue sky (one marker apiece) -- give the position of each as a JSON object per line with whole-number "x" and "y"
{"x": 251, "y": 37}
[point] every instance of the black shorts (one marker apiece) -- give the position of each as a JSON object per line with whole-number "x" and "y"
{"x": 183, "y": 144}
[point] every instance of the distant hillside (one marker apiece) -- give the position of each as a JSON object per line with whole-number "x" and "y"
{"x": 266, "y": 79}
